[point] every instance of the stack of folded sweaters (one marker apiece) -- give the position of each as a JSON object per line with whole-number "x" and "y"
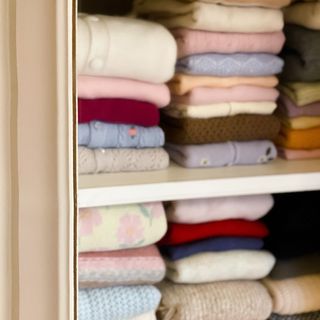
{"x": 118, "y": 262}
{"x": 294, "y": 284}
{"x": 122, "y": 64}
{"x": 213, "y": 255}
{"x": 224, "y": 87}
{"x": 300, "y": 89}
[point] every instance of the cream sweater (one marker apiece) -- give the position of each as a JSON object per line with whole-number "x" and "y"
{"x": 209, "y": 16}
{"x": 218, "y": 266}
{"x": 125, "y": 48}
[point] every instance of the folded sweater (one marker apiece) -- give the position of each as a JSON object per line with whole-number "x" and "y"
{"x": 121, "y": 267}
{"x": 231, "y": 65}
{"x": 222, "y": 109}
{"x": 121, "y": 160}
{"x": 179, "y": 233}
{"x": 103, "y": 87}
{"x": 223, "y": 300}
{"x": 184, "y": 83}
{"x": 96, "y": 134}
{"x": 222, "y": 154}
{"x": 301, "y": 123}
{"x": 210, "y": 17}
{"x": 295, "y": 295}
{"x": 241, "y": 93}
{"x": 304, "y": 14}
{"x": 192, "y": 211}
{"x": 117, "y": 303}
{"x": 221, "y": 266}
{"x": 299, "y": 139}
{"x": 192, "y": 42}
{"x": 146, "y": 316}
{"x": 301, "y": 93}
{"x": 301, "y": 316}
{"x": 124, "y": 47}
{"x": 217, "y": 244}
{"x": 121, "y": 227}
{"x": 289, "y": 109}
{"x": 235, "y": 128}
{"x": 122, "y": 111}
{"x": 291, "y": 154}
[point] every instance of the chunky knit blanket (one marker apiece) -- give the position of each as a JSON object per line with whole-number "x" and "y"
{"x": 225, "y": 300}
{"x": 121, "y": 227}
{"x": 220, "y": 266}
{"x": 121, "y": 160}
{"x": 236, "y": 128}
{"x": 220, "y": 208}
{"x": 229, "y": 153}
{"x": 121, "y": 267}
{"x": 117, "y": 303}
{"x": 97, "y": 134}
{"x": 231, "y": 65}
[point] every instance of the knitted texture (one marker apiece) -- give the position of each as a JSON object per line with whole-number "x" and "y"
{"x": 237, "y": 128}
{"x": 196, "y": 41}
{"x": 295, "y": 295}
{"x": 183, "y": 83}
{"x": 96, "y": 134}
{"x": 220, "y": 208}
{"x": 226, "y": 300}
{"x": 121, "y": 227}
{"x": 183, "y": 233}
{"x": 220, "y": 266}
{"x": 117, "y": 303}
{"x": 301, "y": 316}
{"x": 225, "y": 65}
{"x": 121, "y": 160}
{"x": 121, "y": 267}
{"x": 222, "y": 154}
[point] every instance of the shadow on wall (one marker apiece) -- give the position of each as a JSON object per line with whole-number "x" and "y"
{"x": 111, "y": 7}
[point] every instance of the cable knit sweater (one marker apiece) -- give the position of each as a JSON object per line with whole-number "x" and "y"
{"x": 224, "y": 300}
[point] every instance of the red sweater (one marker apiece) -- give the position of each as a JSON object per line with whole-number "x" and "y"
{"x": 182, "y": 233}
{"x": 123, "y": 111}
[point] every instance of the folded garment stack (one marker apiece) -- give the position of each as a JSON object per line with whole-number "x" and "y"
{"x": 118, "y": 262}
{"x": 122, "y": 64}
{"x": 223, "y": 92}
{"x": 299, "y": 110}
{"x": 217, "y": 243}
{"x": 294, "y": 284}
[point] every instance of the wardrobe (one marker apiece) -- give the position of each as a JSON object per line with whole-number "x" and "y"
{"x": 41, "y": 191}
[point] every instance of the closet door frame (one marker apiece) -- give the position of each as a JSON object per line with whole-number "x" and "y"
{"x": 46, "y": 159}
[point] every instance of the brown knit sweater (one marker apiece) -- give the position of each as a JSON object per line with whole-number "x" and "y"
{"x": 235, "y": 128}
{"x": 223, "y": 300}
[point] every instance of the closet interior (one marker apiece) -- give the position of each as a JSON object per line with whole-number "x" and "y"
{"x": 198, "y": 159}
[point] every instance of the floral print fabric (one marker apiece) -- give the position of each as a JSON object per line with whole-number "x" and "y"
{"x": 121, "y": 227}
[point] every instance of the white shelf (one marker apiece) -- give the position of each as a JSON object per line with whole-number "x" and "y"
{"x": 180, "y": 183}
